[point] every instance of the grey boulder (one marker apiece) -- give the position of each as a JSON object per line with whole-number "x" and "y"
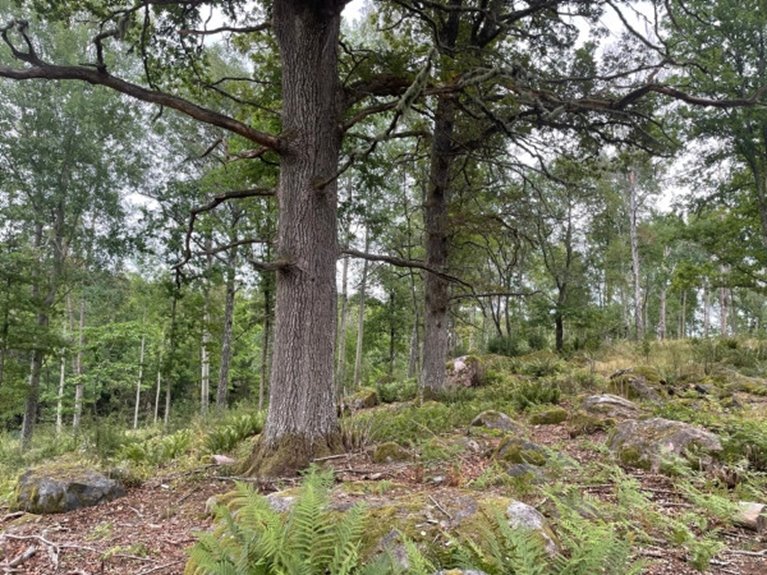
{"x": 648, "y": 443}
{"x": 61, "y": 489}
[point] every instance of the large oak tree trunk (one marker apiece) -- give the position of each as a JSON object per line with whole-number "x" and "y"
{"x": 302, "y": 421}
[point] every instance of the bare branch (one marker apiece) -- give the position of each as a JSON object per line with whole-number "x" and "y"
{"x": 277, "y": 265}
{"x": 495, "y": 294}
{"x": 211, "y": 205}
{"x": 234, "y": 29}
{"x": 404, "y": 263}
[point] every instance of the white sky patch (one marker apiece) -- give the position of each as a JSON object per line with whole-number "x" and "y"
{"x": 353, "y": 9}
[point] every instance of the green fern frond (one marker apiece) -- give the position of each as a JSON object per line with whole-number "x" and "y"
{"x": 418, "y": 563}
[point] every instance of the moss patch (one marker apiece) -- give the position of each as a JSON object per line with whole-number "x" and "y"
{"x": 549, "y": 416}
{"x": 289, "y": 454}
{"x": 514, "y": 450}
{"x": 389, "y": 452}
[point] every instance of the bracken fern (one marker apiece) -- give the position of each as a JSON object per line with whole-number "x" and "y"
{"x": 251, "y": 538}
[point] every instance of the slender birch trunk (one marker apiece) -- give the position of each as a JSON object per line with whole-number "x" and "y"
{"x": 205, "y": 340}
{"x": 157, "y": 395}
{"x": 706, "y": 310}
{"x": 139, "y": 380}
{"x": 361, "y": 317}
{"x": 723, "y": 312}
{"x": 342, "y": 327}
{"x": 635, "y": 263}
{"x": 78, "y": 368}
{"x": 62, "y": 381}
{"x": 60, "y": 394}
{"x": 662, "y": 313}
{"x": 222, "y": 386}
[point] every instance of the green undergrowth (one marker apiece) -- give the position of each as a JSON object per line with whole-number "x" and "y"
{"x": 314, "y": 536}
{"x": 132, "y": 454}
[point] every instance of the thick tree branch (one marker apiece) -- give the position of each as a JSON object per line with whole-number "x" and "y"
{"x": 39, "y": 69}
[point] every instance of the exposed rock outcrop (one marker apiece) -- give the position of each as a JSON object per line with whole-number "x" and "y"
{"x": 60, "y": 489}
{"x": 648, "y": 443}
{"x": 491, "y": 419}
{"x": 465, "y": 371}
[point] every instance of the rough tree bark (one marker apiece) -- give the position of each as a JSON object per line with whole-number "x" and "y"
{"x": 302, "y": 422}
{"x": 436, "y": 288}
{"x": 267, "y": 287}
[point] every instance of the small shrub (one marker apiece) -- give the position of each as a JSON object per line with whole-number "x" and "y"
{"x": 590, "y": 547}
{"x": 540, "y": 364}
{"x": 509, "y": 346}
{"x": 535, "y": 392}
{"x": 390, "y": 392}
{"x": 746, "y": 439}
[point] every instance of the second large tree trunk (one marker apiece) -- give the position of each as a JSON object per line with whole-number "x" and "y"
{"x": 435, "y": 338}
{"x": 302, "y": 423}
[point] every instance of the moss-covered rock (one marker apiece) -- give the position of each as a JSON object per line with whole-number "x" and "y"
{"x": 364, "y": 398}
{"x": 390, "y": 452}
{"x": 465, "y": 371}
{"x": 637, "y": 383}
{"x": 610, "y": 406}
{"x": 525, "y": 517}
{"x": 497, "y": 420}
{"x": 57, "y": 489}
{"x": 549, "y": 416}
{"x": 526, "y": 472}
{"x": 515, "y": 450}
{"x": 647, "y": 444}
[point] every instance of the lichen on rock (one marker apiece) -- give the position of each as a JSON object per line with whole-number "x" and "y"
{"x": 58, "y": 489}
{"x": 647, "y": 443}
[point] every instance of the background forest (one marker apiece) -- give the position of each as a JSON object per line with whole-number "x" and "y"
{"x": 131, "y": 237}
{"x": 498, "y": 266}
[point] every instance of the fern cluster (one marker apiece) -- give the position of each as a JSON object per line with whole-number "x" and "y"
{"x": 254, "y": 539}
{"x": 590, "y": 548}
{"x": 235, "y": 428}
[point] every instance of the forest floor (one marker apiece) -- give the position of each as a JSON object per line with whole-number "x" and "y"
{"x": 150, "y": 529}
